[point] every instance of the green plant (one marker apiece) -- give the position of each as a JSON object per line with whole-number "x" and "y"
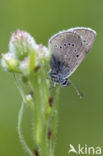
{"x": 29, "y": 63}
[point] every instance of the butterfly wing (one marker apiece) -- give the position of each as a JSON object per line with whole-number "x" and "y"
{"x": 68, "y": 47}
{"x": 88, "y": 36}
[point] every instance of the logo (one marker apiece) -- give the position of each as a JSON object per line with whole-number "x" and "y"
{"x": 84, "y": 149}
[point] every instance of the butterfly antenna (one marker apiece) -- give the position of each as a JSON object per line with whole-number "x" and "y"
{"x": 76, "y": 89}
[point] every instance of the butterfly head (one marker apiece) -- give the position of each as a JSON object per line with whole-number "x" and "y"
{"x": 58, "y": 78}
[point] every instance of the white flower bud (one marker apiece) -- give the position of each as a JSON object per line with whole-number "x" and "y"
{"x": 21, "y": 44}
{"x": 9, "y": 62}
{"x": 29, "y": 98}
{"x": 42, "y": 51}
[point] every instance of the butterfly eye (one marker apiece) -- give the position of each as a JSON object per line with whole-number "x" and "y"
{"x": 72, "y": 44}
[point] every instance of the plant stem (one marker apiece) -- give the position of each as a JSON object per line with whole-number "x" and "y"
{"x": 41, "y": 118}
{"x": 20, "y": 115}
{"x": 54, "y": 120}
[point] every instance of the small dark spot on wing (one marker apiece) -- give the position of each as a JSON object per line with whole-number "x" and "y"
{"x": 69, "y": 44}
{"x": 65, "y": 44}
{"x": 77, "y": 55}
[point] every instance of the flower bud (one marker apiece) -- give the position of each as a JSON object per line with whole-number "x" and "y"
{"x": 29, "y": 98}
{"x": 9, "y": 62}
{"x": 42, "y": 52}
{"x": 21, "y": 44}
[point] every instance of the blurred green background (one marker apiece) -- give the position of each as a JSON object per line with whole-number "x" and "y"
{"x": 80, "y": 121}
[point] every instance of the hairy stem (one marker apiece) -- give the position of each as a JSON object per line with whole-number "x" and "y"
{"x": 54, "y": 121}
{"x": 22, "y": 140}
